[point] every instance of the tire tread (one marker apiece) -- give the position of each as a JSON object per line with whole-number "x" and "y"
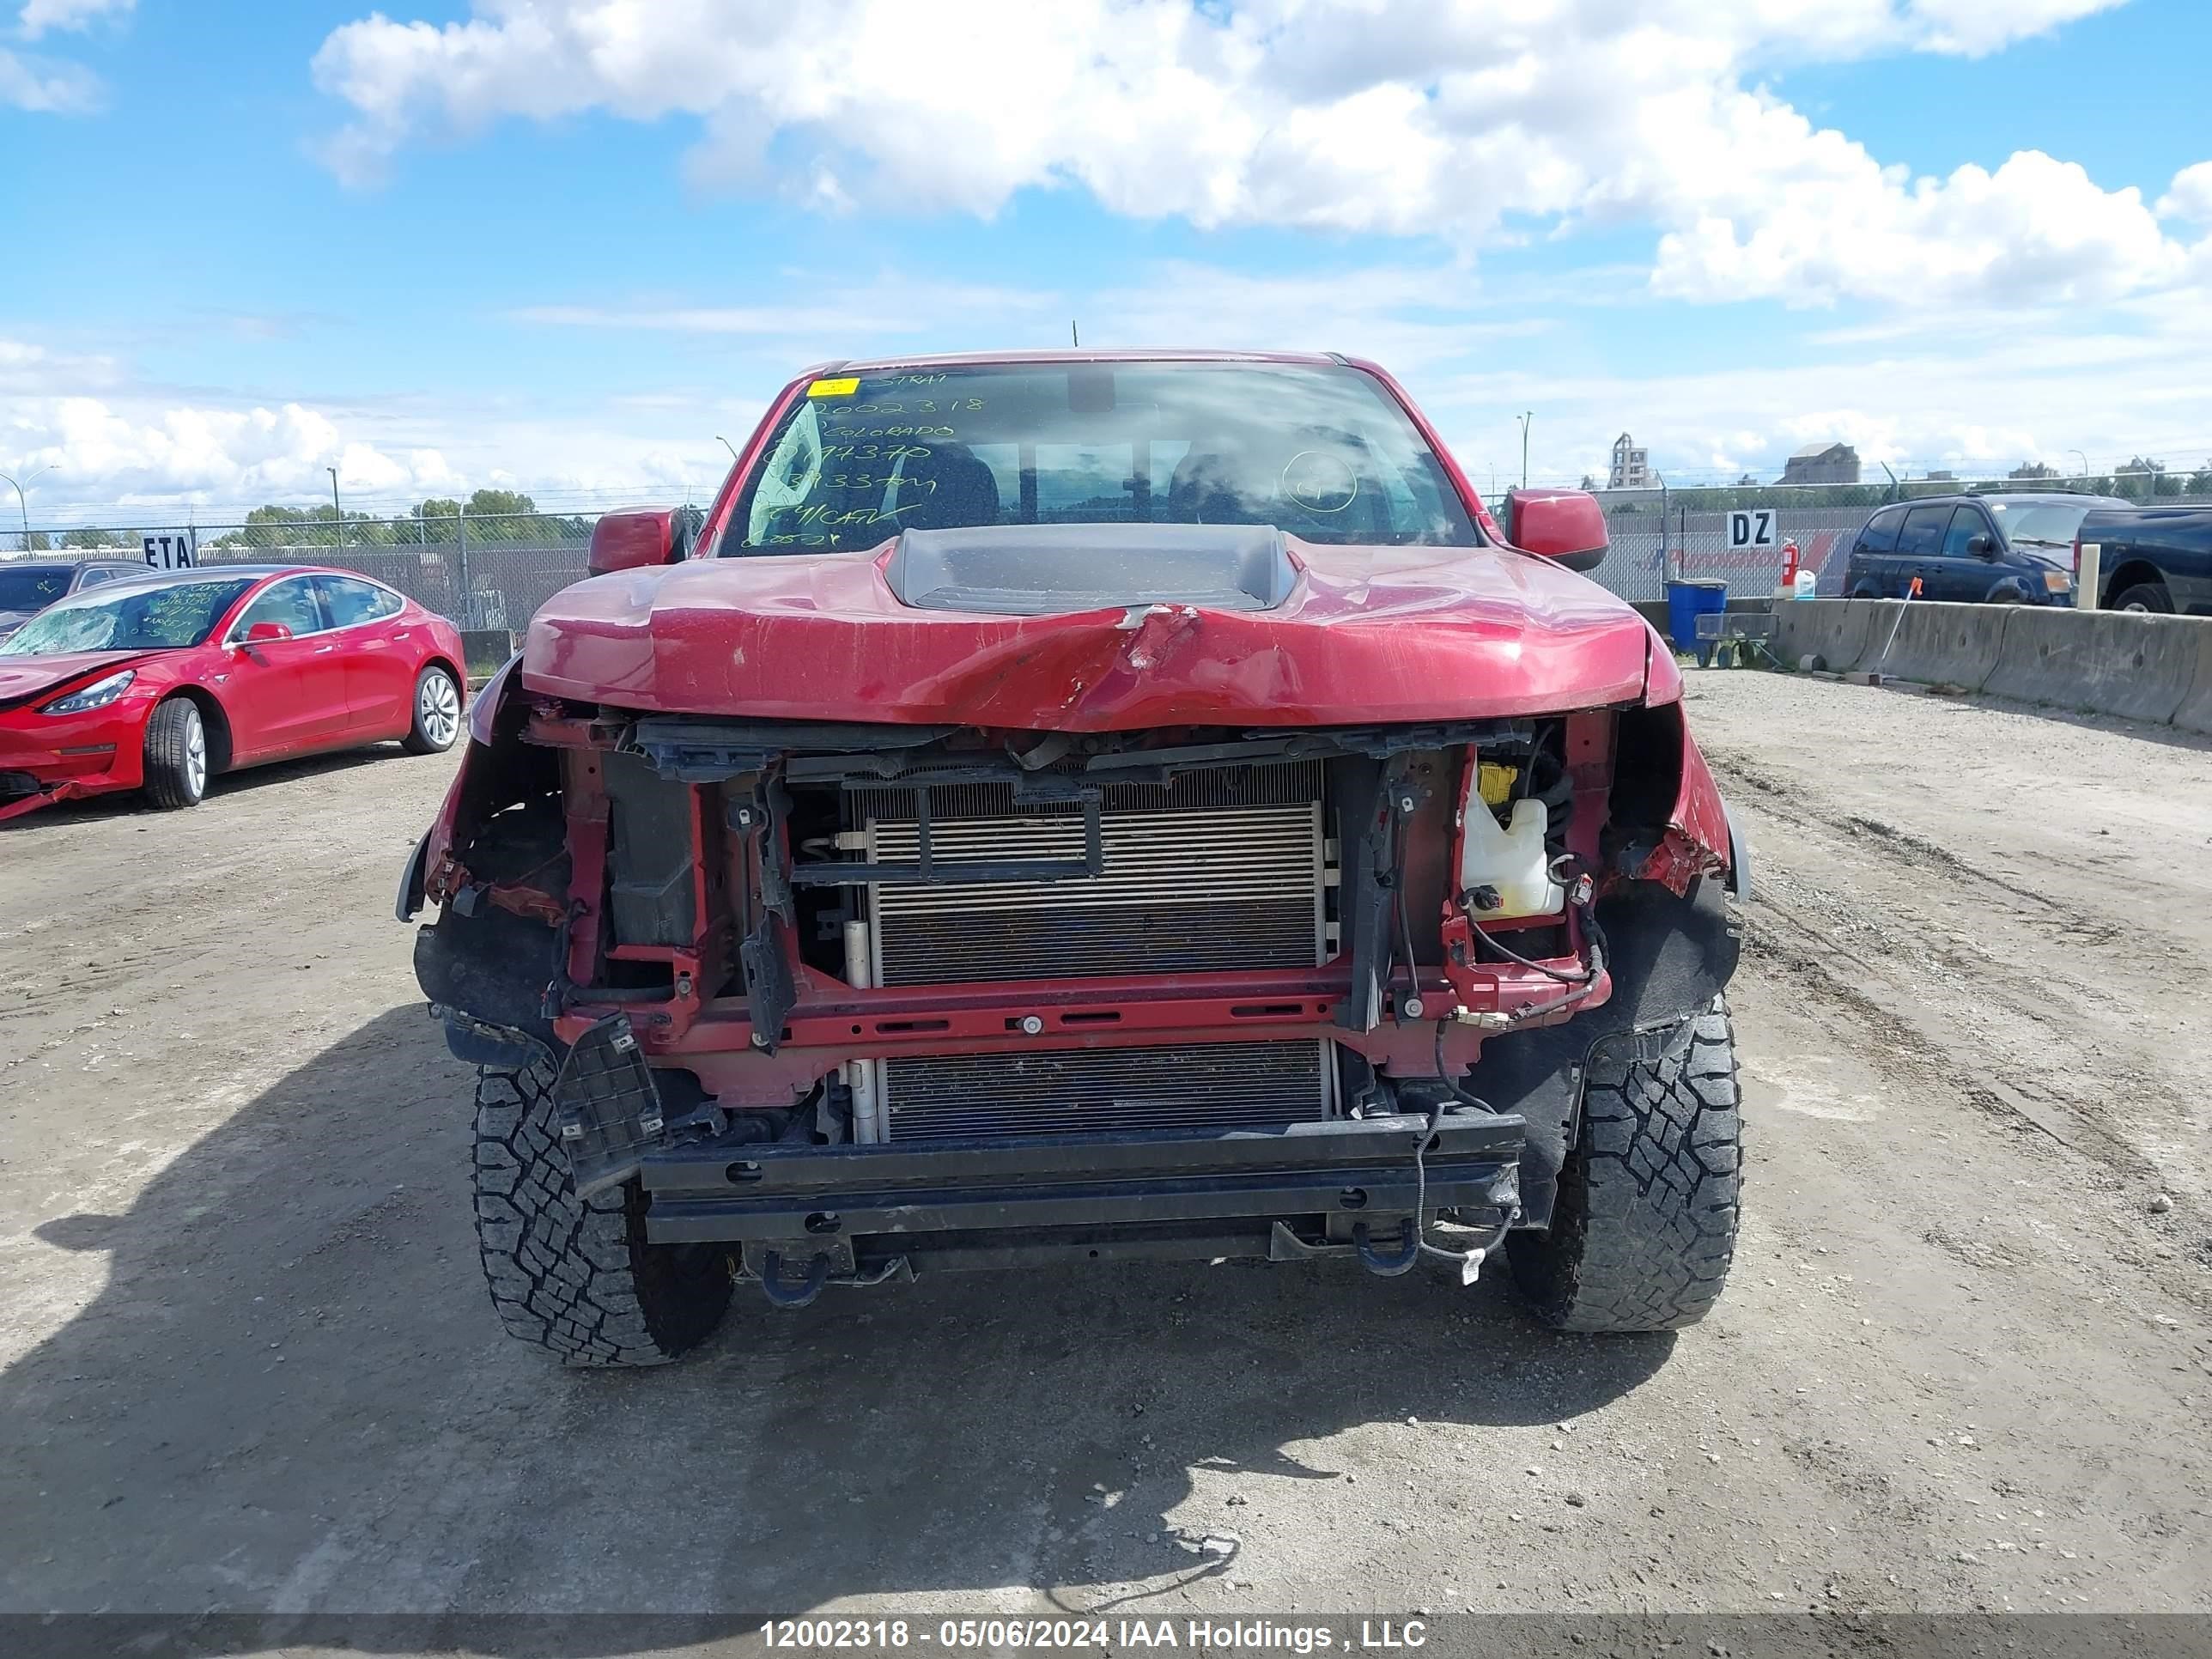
{"x": 575, "y": 1276}
{"x": 164, "y": 777}
{"x": 1645, "y": 1229}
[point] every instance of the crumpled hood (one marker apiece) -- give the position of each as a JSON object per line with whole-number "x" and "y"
{"x": 23, "y": 677}
{"x": 1365, "y": 635}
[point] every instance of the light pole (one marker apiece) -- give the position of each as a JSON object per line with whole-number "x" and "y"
{"x": 338, "y": 512}
{"x": 1525, "y": 419}
{"x": 727, "y": 445}
{"x": 22, "y": 508}
{"x": 2084, "y": 459}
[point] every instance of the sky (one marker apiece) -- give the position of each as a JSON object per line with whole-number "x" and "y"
{"x": 570, "y": 245}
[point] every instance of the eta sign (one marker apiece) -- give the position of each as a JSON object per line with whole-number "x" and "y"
{"x": 1754, "y": 528}
{"x": 171, "y": 549}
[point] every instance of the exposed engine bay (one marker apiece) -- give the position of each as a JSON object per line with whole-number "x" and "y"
{"x": 806, "y": 938}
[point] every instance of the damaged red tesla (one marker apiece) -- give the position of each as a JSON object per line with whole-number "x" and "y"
{"x": 161, "y": 681}
{"x": 1087, "y": 806}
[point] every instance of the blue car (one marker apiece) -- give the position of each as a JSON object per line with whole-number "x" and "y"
{"x": 2014, "y": 547}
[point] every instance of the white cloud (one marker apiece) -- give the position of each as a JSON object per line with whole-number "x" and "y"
{"x": 1836, "y": 224}
{"x": 38, "y": 17}
{"x": 2124, "y": 380}
{"x": 195, "y": 452}
{"x": 1398, "y": 117}
{"x": 2190, "y": 196}
{"x": 50, "y": 85}
{"x": 46, "y": 86}
{"x": 111, "y": 449}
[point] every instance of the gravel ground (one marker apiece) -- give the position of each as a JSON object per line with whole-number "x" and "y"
{"x": 1964, "y": 1362}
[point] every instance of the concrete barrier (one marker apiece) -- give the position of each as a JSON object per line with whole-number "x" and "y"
{"x": 2125, "y": 664}
{"x": 1942, "y": 644}
{"x": 1834, "y": 630}
{"x": 2195, "y": 714}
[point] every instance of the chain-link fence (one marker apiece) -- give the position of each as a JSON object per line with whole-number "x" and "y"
{"x": 493, "y": 571}
{"x": 480, "y": 570}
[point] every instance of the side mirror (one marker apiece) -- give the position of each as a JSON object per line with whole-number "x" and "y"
{"x": 629, "y": 541}
{"x": 1565, "y": 524}
{"x": 1982, "y": 547}
{"x": 265, "y": 633}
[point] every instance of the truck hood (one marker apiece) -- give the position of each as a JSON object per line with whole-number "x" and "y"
{"x": 1349, "y": 635}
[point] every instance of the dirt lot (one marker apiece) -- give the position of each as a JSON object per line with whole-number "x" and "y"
{"x": 1964, "y": 1362}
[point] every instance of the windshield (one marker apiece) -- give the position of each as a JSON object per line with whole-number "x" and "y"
{"x": 2044, "y": 523}
{"x": 1323, "y": 453}
{"x": 32, "y": 590}
{"x": 139, "y": 619}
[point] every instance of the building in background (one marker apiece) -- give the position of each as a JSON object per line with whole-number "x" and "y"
{"x": 2028, "y": 471}
{"x": 1822, "y": 464}
{"x": 1632, "y": 466}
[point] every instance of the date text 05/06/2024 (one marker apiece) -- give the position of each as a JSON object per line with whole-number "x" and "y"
{"x": 1213, "y": 1635}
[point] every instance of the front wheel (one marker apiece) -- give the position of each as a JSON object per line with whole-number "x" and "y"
{"x": 176, "y": 764}
{"x": 573, "y": 1275}
{"x": 1643, "y": 1228}
{"x": 437, "y": 713}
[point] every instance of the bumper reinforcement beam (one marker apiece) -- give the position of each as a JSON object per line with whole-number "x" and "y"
{"x": 1361, "y": 1168}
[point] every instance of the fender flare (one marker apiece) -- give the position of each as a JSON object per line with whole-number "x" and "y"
{"x": 1738, "y": 874}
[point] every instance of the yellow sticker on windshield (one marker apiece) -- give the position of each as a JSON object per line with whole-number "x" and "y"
{"x": 839, "y": 388}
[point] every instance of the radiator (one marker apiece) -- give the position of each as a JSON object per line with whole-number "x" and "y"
{"x": 1094, "y": 1091}
{"x": 1221, "y": 870}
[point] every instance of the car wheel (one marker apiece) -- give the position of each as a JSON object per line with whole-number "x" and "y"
{"x": 1643, "y": 1228}
{"x": 176, "y": 769}
{"x": 437, "y": 713}
{"x": 576, "y": 1275}
{"x": 2145, "y": 597}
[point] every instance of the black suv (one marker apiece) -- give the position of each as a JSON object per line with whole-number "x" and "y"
{"x": 2015, "y": 547}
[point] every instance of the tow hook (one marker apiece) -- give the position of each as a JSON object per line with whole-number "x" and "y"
{"x": 1389, "y": 1266}
{"x": 799, "y": 1293}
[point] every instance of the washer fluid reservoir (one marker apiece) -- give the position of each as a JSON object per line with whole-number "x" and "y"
{"x": 1510, "y": 859}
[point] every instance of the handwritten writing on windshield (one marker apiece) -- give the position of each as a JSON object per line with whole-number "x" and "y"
{"x": 874, "y": 453}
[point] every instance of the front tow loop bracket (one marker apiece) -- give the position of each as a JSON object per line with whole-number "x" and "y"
{"x": 795, "y": 1294}
{"x": 1389, "y": 1266}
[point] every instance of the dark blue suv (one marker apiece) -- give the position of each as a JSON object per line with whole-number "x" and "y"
{"x": 2011, "y": 548}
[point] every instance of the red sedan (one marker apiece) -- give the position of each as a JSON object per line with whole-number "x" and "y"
{"x": 159, "y": 682}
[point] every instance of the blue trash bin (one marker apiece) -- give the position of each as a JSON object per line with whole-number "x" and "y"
{"x": 1686, "y": 601}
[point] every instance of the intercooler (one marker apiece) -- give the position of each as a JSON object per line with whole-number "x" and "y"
{"x": 1221, "y": 870}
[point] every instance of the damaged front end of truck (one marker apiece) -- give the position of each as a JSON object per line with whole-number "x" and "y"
{"x": 1011, "y": 893}
{"x": 853, "y": 1000}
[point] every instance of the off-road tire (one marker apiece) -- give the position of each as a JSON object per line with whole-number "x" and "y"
{"x": 170, "y": 779}
{"x": 1644, "y": 1225}
{"x": 2152, "y": 596}
{"x": 576, "y": 1276}
{"x": 420, "y": 739}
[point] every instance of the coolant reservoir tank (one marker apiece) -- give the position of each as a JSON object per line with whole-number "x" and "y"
{"x": 1510, "y": 858}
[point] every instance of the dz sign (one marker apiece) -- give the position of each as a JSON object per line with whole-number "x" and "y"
{"x": 1754, "y": 528}
{"x": 171, "y": 549}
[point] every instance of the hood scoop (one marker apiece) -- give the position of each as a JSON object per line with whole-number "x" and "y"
{"x": 1044, "y": 570}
